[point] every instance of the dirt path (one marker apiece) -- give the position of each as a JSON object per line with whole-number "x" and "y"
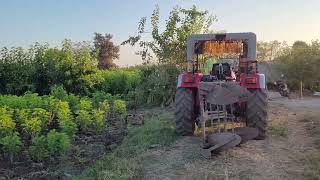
{"x": 277, "y": 157}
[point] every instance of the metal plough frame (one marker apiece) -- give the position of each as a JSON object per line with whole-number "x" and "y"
{"x": 214, "y": 112}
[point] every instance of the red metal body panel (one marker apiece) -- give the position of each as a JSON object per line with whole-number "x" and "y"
{"x": 244, "y": 77}
{"x": 190, "y": 80}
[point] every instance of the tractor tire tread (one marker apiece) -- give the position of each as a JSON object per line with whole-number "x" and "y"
{"x": 184, "y": 111}
{"x": 257, "y": 112}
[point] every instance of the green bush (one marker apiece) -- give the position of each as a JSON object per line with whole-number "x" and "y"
{"x": 98, "y": 120}
{"x": 84, "y": 116}
{"x": 21, "y": 115}
{"x": 99, "y": 97}
{"x": 11, "y": 144}
{"x": 120, "y": 108}
{"x": 105, "y": 107}
{"x": 157, "y": 85}
{"x": 118, "y": 81}
{"x": 58, "y": 143}
{"x": 38, "y": 151}
{"x": 43, "y": 116}
{"x": 60, "y": 93}
{"x": 7, "y": 125}
{"x": 32, "y": 126}
{"x": 65, "y": 118}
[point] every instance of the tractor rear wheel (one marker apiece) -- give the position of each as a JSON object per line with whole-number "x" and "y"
{"x": 184, "y": 111}
{"x": 257, "y": 111}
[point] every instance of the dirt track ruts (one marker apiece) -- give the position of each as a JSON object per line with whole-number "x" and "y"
{"x": 276, "y": 157}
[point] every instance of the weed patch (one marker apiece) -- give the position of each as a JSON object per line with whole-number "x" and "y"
{"x": 312, "y": 124}
{"x": 278, "y": 130}
{"x": 124, "y": 162}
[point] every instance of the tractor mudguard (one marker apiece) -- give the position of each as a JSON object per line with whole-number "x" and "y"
{"x": 189, "y": 80}
{"x": 253, "y": 81}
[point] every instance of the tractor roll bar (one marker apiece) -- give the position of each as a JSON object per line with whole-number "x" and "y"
{"x": 249, "y": 38}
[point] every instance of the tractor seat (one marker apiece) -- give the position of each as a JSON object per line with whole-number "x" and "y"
{"x": 221, "y": 71}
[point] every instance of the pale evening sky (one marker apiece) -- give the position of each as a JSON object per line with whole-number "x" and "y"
{"x": 23, "y": 22}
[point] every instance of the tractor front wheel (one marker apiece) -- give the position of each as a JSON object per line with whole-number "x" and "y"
{"x": 184, "y": 111}
{"x": 257, "y": 111}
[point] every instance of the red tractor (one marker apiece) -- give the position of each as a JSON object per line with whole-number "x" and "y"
{"x": 225, "y": 94}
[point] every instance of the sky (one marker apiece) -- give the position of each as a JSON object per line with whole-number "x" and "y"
{"x": 23, "y": 22}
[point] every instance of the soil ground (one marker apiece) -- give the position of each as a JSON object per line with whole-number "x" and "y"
{"x": 280, "y": 156}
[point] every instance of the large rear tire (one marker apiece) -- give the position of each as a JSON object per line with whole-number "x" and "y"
{"x": 257, "y": 111}
{"x": 184, "y": 111}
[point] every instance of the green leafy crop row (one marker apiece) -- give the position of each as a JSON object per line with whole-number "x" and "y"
{"x": 46, "y": 125}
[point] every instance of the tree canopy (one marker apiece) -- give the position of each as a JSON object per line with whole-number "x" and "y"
{"x": 169, "y": 45}
{"x": 301, "y": 63}
{"x": 106, "y": 50}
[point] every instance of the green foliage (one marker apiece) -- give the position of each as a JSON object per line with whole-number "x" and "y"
{"x": 301, "y": 63}
{"x": 269, "y": 51}
{"x": 125, "y": 161}
{"x": 65, "y": 118}
{"x": 99, "y": 97}
{"x": 58, "y": 143}
{"x": 7, "y": 125}
{"x": 11, "y": 144}
{"x": 42, "y": 115}
{"x": 21, "y": 115}
{"x": 34, "y": 122}
{"x": 157, "y": 85}
{"x": 38, "y": 151}
{"x": 98, "y": 120}
{"x": 105, "y": 107}
{"x": 278, "y": 130}
{"x": 169, "y": 46}
{"x": 32, "y": 126}
{"x": 120, "y": 108}
{"x": 38, "y": 68}
{"x": 106, "y": 50}
{"x": 60, "y": 93}
{"x": 114, "y": 82}
{"x": 84, "y": 116}
{"x": 37, "y": 115}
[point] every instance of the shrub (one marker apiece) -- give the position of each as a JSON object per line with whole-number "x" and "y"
{"x": 99, "y": 97}
{"x": 42, "y": 115}
{"x": 98, "y": 120}
{"x": 7, "y": 125}
{"x": 157, "y": 84}
{"x": 60, "y": 93}
{"x": 120, "y": 108}
{"x": 118, "y": 81}
{"x": 58, "y": 143}
{"x": 32, "y": 126}
{"x": 21, "y": 115}
{"x": 65, "y": 118}
{"x": 38, "y": 151}
{"x": 105, "y": 107}
{"x": 85, "y": 104}
{"x": 84, "y": 117}
{"x": 11, "y": 144}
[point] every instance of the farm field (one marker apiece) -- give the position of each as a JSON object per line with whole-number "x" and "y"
{"x": 159, "y": 90}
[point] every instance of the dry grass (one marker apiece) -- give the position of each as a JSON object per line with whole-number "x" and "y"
{"x": 312, "y": 159}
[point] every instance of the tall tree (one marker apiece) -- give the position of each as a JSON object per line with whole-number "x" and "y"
{"x": 299, "y": 45}
{"x": 106, "y": 50}
{"x": 268, "y": 51}
{"x": 169, "y": 45}
{"x": 302, "y": 64}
